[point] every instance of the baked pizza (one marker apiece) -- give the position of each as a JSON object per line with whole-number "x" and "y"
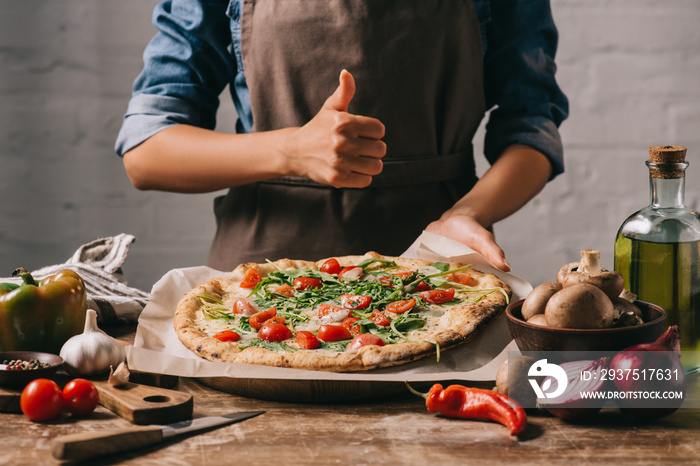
{"x": 340, "y": 314}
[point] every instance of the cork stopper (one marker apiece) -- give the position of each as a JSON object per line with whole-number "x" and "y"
{"x": 667, "y": 161}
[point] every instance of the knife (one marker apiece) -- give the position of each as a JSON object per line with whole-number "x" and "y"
{"x": 89, "y": 444}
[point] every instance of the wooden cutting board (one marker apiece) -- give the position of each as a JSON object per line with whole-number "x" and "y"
{"x": 143, "y": 404}
{"x": 138, "y": 404}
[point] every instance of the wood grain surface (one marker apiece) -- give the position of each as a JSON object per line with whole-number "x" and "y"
{"x": 392, "y": 430}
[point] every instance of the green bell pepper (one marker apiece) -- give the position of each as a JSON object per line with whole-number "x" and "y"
{"x": 41, "y": 316}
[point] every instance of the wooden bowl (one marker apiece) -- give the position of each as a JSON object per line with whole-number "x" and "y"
{"x": 20, "y": 378}
{"x": 530, "y": 337}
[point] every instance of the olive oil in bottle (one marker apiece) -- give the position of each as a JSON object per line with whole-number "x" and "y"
{"x": 657, "y": 249}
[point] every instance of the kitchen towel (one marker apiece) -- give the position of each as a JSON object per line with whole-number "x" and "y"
{"x": 99, "y": 264}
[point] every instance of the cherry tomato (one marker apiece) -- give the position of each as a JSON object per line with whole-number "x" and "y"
{"x": 461, "y": 278}
{"x": 379, "y": 318}
{"x": 302, "y": 283}
{"x": 403, "y": 275}
{"x": 227, "y": 335}
{"x": 365, "y": 339}
{"x": 80, "y": 397}
{"x": 257, "y": 320}
{"x": 399, "y": 307}
{"x": 331, "y": 266}
{"x": 41, "y": 400}
{"x": 274, "y": 332}
{"x": 251, "y": 278}
{"x": 349, "y": 323}
{"x": 333, "y": 333}
{"x": 326, "y": 309}
{"x": 285, "y": 290}
{"x": 355, "y": 301}
{"x": 422, "y": 286}
{"x": 385, "y": 279}
{"x": 438, "y": 296}
{"x": 351, "y": 273}
{"x": 307, "y": 340}
{"x": 241, "y": 306}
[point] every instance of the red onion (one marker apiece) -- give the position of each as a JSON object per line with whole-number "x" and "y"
{"x": 657, "y": 368}
{"x": 570, "y": 405}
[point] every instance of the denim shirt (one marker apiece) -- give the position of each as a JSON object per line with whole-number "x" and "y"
{"x": 196, "y": 54}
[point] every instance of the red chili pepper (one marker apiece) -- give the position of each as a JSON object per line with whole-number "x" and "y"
{"x": 457, "y": 401}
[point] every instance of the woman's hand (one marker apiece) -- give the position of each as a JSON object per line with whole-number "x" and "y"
{"x": 338, "y": 148}
{"x": 468, "y": 231}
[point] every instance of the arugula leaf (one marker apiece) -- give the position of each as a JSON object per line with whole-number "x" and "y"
{"x": 441, "y": 266}
{"x": 209, "y": 298}
{"x": 412, "y": 285}
{"x": 337, "y": 346}
{"x": 367, "y": 262}
{"x": 437, "y": 346}
{"x": 271, "y": 345}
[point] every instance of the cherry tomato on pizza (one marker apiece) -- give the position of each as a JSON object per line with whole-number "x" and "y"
{"x": 274, "y": 332}
{"x": 365, "y": 339}
{"x": 285, "y": 290}
{"x": 80, "y": 397}
{"x": 227, "y": 335}
{"x": 241, "y": 306}
{"x": 331, "y": 266}
{"x": 350, "y": 324}
{"x": 460, "y": 277}
{"x": 333, "y": 333}
{"x": 379, "y": 318}
{"x": 251, "y": 278}
{"x": 257, "y": 320}
{"x": 355, "y": 301}
{"x": 438, "y": 296}
{"x": 399, "y": 307}
{"x": 422, "y": 286}
{"x": 307, "y": 340}
{"x": 275, "y": 320}
{"x": 303, "y": 283}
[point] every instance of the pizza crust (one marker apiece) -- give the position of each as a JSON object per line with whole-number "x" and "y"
{"x": 458, "y": 324}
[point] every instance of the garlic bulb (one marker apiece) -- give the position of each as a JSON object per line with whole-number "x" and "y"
{"x": 91, "y": 352}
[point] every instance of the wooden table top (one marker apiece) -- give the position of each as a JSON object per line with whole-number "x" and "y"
{"x": 395, "y": 429}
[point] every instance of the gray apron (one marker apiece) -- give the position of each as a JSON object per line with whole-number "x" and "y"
{"x": 417, "y": 65}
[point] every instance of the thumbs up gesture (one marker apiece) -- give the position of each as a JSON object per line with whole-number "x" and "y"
{"x": 338, "y": 148}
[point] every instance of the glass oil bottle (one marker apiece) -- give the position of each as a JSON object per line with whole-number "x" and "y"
{"x": 657, "y": 249}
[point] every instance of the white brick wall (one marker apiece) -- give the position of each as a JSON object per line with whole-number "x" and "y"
{"x": 631, "y": 69}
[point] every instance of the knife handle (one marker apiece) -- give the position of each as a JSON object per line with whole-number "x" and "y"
{"x": 88, "y": 444}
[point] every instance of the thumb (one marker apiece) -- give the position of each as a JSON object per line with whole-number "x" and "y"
{"x": 340, "y": 99}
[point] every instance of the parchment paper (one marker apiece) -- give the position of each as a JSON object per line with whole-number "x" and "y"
{"x": 157, "y": 349}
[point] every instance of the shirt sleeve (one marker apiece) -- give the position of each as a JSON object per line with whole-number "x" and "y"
{"x": 186, "y": 67}
{"x": 519, "y": 83}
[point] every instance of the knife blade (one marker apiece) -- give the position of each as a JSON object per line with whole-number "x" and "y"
{"x": 90, "y": 444}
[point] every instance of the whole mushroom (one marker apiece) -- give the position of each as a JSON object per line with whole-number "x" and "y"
{"x": 579, "y": 306}
{"x": 536, "y": 301}
{"x": 588, "y": 271}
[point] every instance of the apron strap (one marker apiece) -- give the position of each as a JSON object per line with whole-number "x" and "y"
{"x": 408, "y": 171}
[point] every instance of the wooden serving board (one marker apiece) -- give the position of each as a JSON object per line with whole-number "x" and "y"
{"x": 321, "y": 391}
{"x": 138, "y": 404}
{"x": 143, "y": 404}
{"x": 304, "y": 391}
